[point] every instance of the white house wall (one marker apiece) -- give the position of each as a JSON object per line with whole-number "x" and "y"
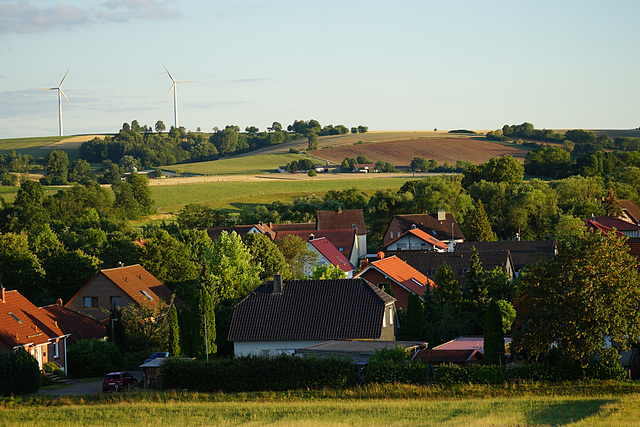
{"x": 270, "y": 348}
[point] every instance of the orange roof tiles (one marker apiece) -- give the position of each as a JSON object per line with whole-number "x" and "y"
{"x": 402, "y": 273}
{"x": 23, "y": 323}
{"x": 139, "y": 284}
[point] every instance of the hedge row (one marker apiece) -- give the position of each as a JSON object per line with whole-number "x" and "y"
{"x": 254, "y": 373}
{"x": 387, "y": 371}
{"x": 564, "y": 371}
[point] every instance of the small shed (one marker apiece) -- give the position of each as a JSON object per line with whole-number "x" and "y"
{"x": 630, "y": 361}
{"x": 151, "y": 373}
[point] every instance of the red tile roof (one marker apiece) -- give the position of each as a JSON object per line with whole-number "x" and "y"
{"x": 135, "y": 281}
{"x": 402, "y": 273}
{"x": 22, "y": 323}
{"x": 616, "y": 223}
{"x": 341, "y": 219}
{"x": 76, "y": 325}
{"x": 596, "y": 225}
{"x": 332, "y": 254}
{"x": 338, "y": 238}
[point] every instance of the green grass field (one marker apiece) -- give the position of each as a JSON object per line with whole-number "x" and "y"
{"x": 262, "y": 163}
{"x": 37, "y": 147}
{"x": 234, "y": 194}
{"x": 500, "y": 405}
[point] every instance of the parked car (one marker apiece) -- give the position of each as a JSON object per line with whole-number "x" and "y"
{"x": 118, "y": 381}
{"x": 157, "y": 355}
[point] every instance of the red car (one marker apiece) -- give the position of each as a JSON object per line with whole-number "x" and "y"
{"x": 118, "y": 381}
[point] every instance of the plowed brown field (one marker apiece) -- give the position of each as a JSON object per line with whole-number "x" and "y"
{"x": 400, "y": 153}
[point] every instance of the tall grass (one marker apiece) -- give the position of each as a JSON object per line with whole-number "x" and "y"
{"x": 503, "y": 411}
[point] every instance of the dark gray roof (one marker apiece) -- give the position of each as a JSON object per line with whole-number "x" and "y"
{"x": 522, "y": 252}
{"x": 427, "y": 262}
{"x": 310, "y": 310}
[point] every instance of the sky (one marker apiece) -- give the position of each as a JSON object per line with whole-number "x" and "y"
{"x": 401, "y": 65}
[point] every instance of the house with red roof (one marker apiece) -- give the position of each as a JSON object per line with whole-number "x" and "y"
{"x": 415, "y": 239}
{"x": 341, "y": 219}
{"x": 624, "y": 227}
{"x": 346, "y": 241}
{"x": 120, "y": 287}
{"x": 441, "y": 225}
{"x": 630, "y": 211}
{"x": 403, "y": 279}
{"x": 22, "y": 324}
{"x": 75, "y": 325}
{"x": 328, "y": 254}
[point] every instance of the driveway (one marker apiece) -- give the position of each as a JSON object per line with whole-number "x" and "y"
{"x": 80, "y": 388}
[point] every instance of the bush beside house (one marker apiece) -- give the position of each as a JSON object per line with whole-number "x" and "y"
{"x": 19, "y": 373}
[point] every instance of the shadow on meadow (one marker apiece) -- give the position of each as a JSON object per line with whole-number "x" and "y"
{"x": 567, "y": 412}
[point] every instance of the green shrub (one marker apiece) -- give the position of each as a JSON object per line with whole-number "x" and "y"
{"x": 294, "y": 151}
{"x": 19, "y": 373}
{"x": 312, "y": 173}
{"x": 93, "y": 358}
{"x": 393, "y": 366}
{"x": 472, "y": 374}
{"x": 54, "y": 368}
{"x": 253, "y": 373}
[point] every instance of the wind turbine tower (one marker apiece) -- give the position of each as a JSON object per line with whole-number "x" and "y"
{"x": 60, "y": 95}
{"x": 174, "y": 88}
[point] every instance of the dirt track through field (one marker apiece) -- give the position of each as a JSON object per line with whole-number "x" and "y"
{"x": 180, "y": 180}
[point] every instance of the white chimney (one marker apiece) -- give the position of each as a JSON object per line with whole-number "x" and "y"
{"x": 442, "y": 215}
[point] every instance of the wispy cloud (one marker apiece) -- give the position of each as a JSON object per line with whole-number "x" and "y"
{"x": 249, "y": 80}
{"x": 20, "y": 17}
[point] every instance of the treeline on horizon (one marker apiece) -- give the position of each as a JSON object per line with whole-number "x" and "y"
{"x": 180, "y": 146}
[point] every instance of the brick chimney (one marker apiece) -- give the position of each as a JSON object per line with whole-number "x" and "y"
{"x": 277, "y": 284}
{"x": 2, "y": 296}
{"x": 311, "y": 236}
{"x": 442, "y": 215}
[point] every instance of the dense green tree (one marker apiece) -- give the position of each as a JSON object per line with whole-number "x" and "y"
{"x": 580, "y": 299}
{"x": 67, "y": 271}
{"x": 125, "y": 200}
{"x": 476, "y": 291}
{"x": 20, "y": 268}
{"x": 56, "y": 166}
{"x": 81, "y": 172}
{"x": 20, "y": 373}
{"x": 160, "y": 126}
{"x": 498, "y": 169}
{"x": 328, "y": 272}
{"x": 266, "y": 254}
{"x": 493, "y": 336}
{"x": 297, "y": 255}
{"x": 415, "y": 322}
{"x": 233, "y": 272}
{"x": 477, "y": 227}
{"x": 551, "y": 162}
{"x": 447, "y": 289}
{"x": 204, "y": 324}
{"x": 142, "y": 194}
{"x": 174, "y": 333}
{"x": 313, "y": 141}
{"x": 201, "y": 216}
{"x": 612, "y": 205}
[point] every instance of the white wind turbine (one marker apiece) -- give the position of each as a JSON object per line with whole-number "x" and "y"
{"x": 60, "y": 95}
{"x": 175, "y": 94}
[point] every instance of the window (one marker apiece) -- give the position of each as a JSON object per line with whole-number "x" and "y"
{"x": 341, "y": 248}
{"x": 14, "y": 317}
{"x": 146, "y": 294}
{"x": 384, "y": 319}
{"x": 390, "y": 317}
{"x": 90, "y": 302}
{"x": 391, "y": 234}
{"x": 116, "y": 302}
{"x": 56, "y": 352}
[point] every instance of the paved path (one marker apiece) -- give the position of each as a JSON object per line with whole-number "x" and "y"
{"x": 81, "y": 388}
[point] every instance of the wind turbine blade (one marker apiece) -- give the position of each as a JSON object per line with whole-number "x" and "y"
{"x": 169, "y": 93}
{"x": 188, "y": 81}
{"x": 49, "y": 88}
{"x": 65, "y": 76}
{"x": 65, "y": 96}
{"x": 170, "y": 76}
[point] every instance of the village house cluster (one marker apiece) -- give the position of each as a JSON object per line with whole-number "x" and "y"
{"x": 351, "y": 316}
